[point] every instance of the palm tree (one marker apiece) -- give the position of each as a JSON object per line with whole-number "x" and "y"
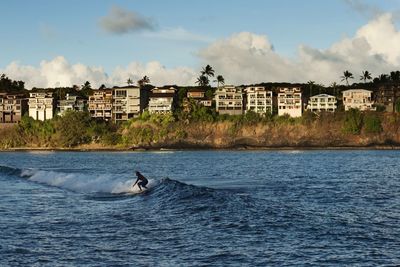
{"x": 142, "y": 82}
{"x": 220, "y": 80}
{"x": 395, "y": 77}
{"x": 346, "y": 76}
{"x": 208, "y": 71}
{"x": 366, "y": 75}
{"x": 129, "y": 81}
{"x": 202, "y": 80}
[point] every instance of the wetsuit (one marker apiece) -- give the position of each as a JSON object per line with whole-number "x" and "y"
{"x": 143, "y": 180}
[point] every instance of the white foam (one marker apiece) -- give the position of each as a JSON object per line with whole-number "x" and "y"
{"x": 83, "y": 183}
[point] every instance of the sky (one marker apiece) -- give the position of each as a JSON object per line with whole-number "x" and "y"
{"x": 50, "y": 43}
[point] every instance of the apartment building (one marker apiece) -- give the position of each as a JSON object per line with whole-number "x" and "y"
{"x": 387, "y": 96}
{"x": 322, "y": 102}
{"x": 70, "y": 103}
{"x": 126, "y": 103}
{"x": 229, "y": 100}
{"x": 41, "y": 105}
{"x": 290, "y": 101}
{"x": 12, "y": 107}
{"x": 100, "y": 104}
{"x": 199, "y": 95}
{"x": 258, "y": 99}
{"x": 162, "y": 99}
{"x": 358, "y": 99}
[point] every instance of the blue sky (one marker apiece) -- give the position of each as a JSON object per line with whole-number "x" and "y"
{"x": 45, "y": 29}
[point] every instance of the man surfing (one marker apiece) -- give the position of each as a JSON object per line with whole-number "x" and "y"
{"x": 141, "y": 181}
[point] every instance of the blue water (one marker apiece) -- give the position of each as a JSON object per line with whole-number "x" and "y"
{"x": 207, "y": 208}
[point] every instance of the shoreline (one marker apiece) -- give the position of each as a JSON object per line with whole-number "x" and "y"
{"x": 193, "y": 148}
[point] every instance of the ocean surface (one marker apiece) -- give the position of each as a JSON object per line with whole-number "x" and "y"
{"x": 203, "y": 208}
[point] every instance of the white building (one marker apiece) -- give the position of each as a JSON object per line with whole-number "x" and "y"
{"x": 162, "y": 100}
{"x": 41, "y": 105}
{"x": 322, "y": 102}
{"x": 229, "y": 100}
{"x": 290, "y": 102}
{"x": 126, "y": 103}
{"x": 259, "y": 100}
{"x": 358, "y": 99}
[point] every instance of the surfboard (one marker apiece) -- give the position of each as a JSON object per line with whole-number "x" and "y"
{"x": 135, "y": 190}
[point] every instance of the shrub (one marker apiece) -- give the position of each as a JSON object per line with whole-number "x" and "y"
{"x": 372, "y": 123}
{"x": 352, "y": 121}
{"x": 71, "y": 129}
{"x": 397, "y": 105}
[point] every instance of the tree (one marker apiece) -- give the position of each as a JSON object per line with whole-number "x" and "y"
{"x": 86, "y": 85}
{"x": 346, "y": 76}
{"x": 366, "y": 75}
{"x": 129, "y": 81}
{"x": 310, "y": 86}
{"x": 334, "y": 86}
{"x": 203, "y": 80}
{"x": 220, "y": 80}
{"x": 145, "y": 80}
{"x": 395, "y": 77}
{"x": 102, "y": 87}
{"x": 208, "y": 71}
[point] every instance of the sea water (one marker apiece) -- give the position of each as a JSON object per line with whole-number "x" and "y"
{"x": 203, "y": 208}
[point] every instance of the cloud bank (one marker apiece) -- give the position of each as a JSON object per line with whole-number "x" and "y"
{"x": 242, "y": 58}
{"x": 120, "y": 21}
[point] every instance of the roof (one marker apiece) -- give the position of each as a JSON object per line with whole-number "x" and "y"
{"x": 357, "y": 90}
{"x": 322, "y": 95}
{"x": 202, "y": 90}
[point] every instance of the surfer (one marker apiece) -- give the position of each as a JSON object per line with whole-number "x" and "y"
{"x": 141, "y": 181}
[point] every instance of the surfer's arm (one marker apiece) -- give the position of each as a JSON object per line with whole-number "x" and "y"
{"x": 135, "y": 182}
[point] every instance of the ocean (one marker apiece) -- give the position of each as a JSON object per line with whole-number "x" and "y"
{"x": 203, "y": 208}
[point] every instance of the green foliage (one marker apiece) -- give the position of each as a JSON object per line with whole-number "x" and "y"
{"x": 380, "y": 108}
{"x": 397, "y": 107}
{"x": 284, "y": 119}
{"x": 8, "y": 85}
{"x": 372, "y": 123}
{"x": 308, "y": 117}
{"x": 251, "y": 118}
{"x": 352, "y": 121}
{"x": 182, "y": 92}
{"x": 72, "y": 129}
{"x": 10, "y": 137}
{"x": 36, "y": 132}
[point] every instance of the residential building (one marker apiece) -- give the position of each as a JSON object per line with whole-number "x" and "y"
{"x": 100, "y": 104}
{"x": 259, "y": 100}
{"x": 70, "y": 103}
{"x": 229, "y": 100}
{"x": 358, "y": 99}
{"x": 322, "y": 102}
{"x": 12, "y": 107}
{"x": 290, "y": 101}
{"x": 162, "y": 99}
{"x": 387, "y": 96}
{"x": 41, "y": 105}
{"x": 199, "y": 95}
{"x": 126, "y": 103}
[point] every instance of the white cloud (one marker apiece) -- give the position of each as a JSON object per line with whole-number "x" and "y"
{"x": 249, "y": 58}
{"x": 59, "y": 72}
{"x": 242, "y": 58}
{"x": 120, "y": 21}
